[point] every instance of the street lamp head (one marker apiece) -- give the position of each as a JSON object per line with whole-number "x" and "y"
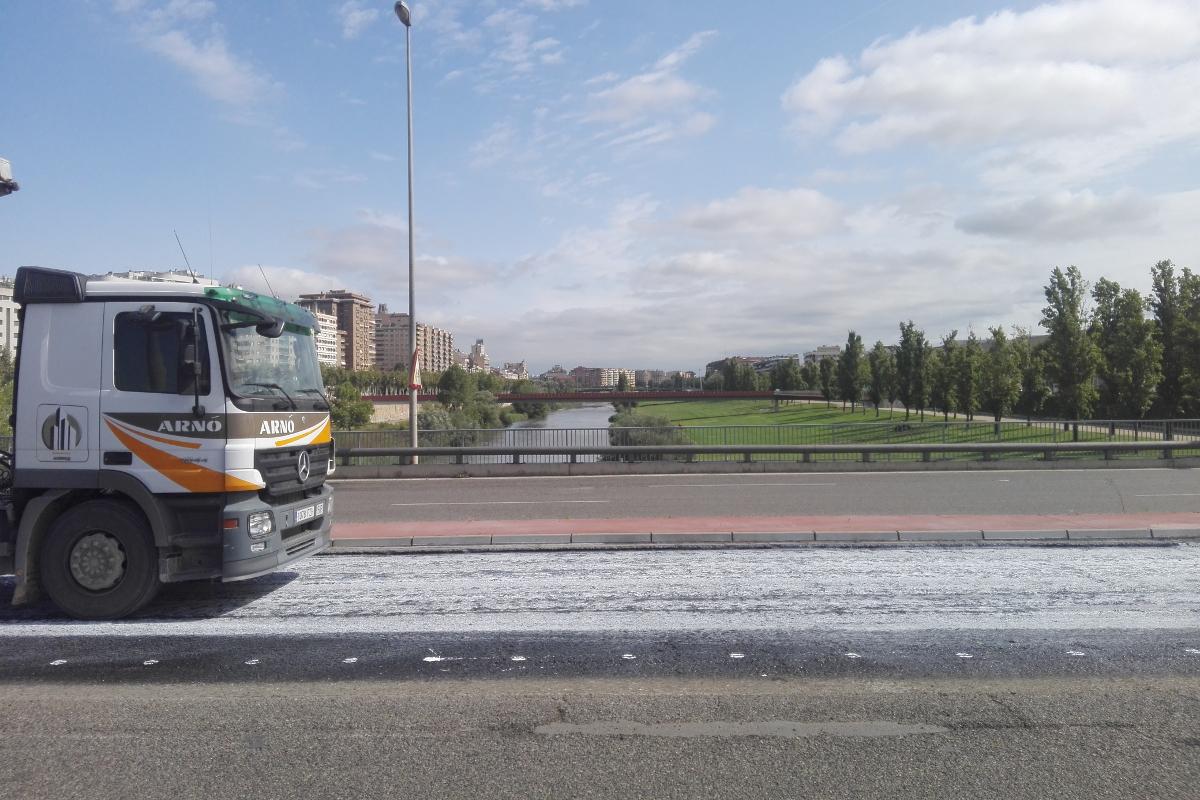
{"x": 403, "y": 13}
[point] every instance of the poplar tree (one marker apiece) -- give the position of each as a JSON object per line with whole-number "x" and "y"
{"x": 968, "y": 368}
{"x": 1164, "y": 301}
{"x": 1071, "y": 355}
{"x": 1001, "y": 383}
{"x": 826, "y": 376}
{"x": 848, "y": 369}
{"x": 883, "y": 375}
{"x": 942, "y": 375}
{"x": 1130, "y": 356}
{"x": 1028, "y": 362}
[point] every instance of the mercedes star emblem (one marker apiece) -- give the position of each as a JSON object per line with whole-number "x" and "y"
{"x": 302, "y": 466}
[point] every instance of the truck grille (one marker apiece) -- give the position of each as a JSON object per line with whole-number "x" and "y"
{"x": 279, "y": 470}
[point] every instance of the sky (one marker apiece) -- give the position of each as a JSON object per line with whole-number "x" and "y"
{"x": 647, "y": 185}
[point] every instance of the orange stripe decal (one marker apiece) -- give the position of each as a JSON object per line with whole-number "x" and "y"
{"x": 142, "y": 433}
{"x": 318, "y": 440}
{"x": 233, "y": 484}
{"x": 192, "y": 477}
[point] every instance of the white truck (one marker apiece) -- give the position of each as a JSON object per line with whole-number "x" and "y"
{"x": 162, "y": 432}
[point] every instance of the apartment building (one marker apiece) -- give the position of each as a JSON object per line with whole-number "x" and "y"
{"x": 331, "y": 343}
{"x": 833, "y": 351}
{"x": 392, "y": 347}
{"x": 355, "y": 316}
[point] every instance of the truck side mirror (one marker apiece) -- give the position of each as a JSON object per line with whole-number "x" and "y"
{"x": 271, "y": 330}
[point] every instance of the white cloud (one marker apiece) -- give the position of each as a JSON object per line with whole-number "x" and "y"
{"x": 355, "y": 17}
{"x": 659, "y": 104}
{"x": 1064, "y": 216}
{"x": 286, "y": 282}
{"x": 1074, "y": 88}
{"x": 179, "y": 32}
{"x": 764, "y": 214}
{"x": 657, "y": 90}
{"x": 553, "y": 5}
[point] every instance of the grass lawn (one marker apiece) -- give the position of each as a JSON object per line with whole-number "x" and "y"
{"x": 758, "y": 412}
{"x": 835, "y": 426}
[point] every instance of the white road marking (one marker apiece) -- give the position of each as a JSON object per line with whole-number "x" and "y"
{"x": 853, "y": 655}
{"x": 788, "y": 730}
{"x": 672, "y": 485}
{"x": 737, "y": 655}
{"x": 349, "y": 660}
{"x": 628, "y": 656}
{"x": 1192, "y": 650}
{"x": 252, "y": 662}
{"x": 517, "y": 658}
{"x": 58, "y": 662}
{"x": 964, "y": 655}
{"x": 440, "y": 658}
{"x": 1075, "y": 653}
{"x": 504, "y": 503}
{"x": 150, "y": 662}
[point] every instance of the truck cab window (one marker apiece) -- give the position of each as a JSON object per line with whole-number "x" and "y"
{"x": 148, "y": 353}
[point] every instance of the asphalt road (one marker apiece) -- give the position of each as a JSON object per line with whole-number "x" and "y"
{"x": 923, "y": 672}
{"x": 993, "y": 492}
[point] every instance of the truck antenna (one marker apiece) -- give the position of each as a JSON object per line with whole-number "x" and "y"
{"x": 185, "y": 258}
{"x": 264, "y": 274}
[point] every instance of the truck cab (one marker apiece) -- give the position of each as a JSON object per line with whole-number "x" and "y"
{"x": 163, "y": 432}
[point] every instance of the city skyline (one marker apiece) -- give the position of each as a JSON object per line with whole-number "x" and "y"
{"x": 673, "y": 183}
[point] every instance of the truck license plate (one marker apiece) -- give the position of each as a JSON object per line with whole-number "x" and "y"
{"x": 305, "y": 514}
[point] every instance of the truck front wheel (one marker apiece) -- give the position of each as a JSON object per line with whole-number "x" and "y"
{"x": 99, "y": 561}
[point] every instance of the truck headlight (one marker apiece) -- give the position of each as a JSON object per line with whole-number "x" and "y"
{"x": 260, "y": 524}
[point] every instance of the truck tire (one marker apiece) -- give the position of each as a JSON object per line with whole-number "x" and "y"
{"x": 99, "y": 561}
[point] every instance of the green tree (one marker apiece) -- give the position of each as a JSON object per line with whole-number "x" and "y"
{"x": 968, "y": 369}
{"x": 941, "y": 375}
{"x": 1071, "y": 354}
{"x": 729, "y": 374}
{"x": 714, "y": 382}
{"x": 785, "y": 376}
{"x": 810, "y": 374}
{"x": 1168, "y": 333}
{"x": 1027, "y": 358}
{"x": 849, "y": 365}
{"x": 1130, "y": 355}
{"x": 456, "y": 388}
{"x": 1001, "y": 381}
{"x": 434, "y": 417}
{"x": 1189, "y": 339}
{"x": 826, "y": 373}
{"x": 350, "y": 412}
{"x": 623, "y": 382}
{"x": 912, "y": 369}
{"x": 883, "y": 375}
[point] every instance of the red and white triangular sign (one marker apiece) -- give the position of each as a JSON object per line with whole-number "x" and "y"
{"x": 414, "y": 380}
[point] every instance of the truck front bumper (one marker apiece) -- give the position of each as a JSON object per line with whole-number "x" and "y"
{"x": 248, "y": 558}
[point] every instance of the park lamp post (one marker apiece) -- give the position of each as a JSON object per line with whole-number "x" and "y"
{"x": 414, "y": 382}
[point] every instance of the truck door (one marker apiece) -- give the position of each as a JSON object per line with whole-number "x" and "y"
{"x": 57, "y": 439}
{"x": 152, "y": 426}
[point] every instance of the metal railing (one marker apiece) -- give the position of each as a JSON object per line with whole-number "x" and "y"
{"x": 886, "y": 441}
{"x": 988, "y": 451}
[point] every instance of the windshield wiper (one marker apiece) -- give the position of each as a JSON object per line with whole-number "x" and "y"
{"x": 328, "y": 405}
{"x": 281, "y": 391}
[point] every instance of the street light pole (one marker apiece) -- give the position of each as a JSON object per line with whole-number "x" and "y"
{"x": 405, "y": 17}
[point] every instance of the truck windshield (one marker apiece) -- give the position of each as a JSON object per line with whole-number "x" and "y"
{"x": 260, "y": 366}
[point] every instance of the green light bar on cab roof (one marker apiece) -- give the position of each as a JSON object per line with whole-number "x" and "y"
{"x": 261, "y": 304}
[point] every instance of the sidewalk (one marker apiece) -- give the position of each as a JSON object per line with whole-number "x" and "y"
{"x": 767, "y": 530}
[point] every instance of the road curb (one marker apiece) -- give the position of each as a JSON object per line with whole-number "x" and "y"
{"x": 708, "y": 539}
